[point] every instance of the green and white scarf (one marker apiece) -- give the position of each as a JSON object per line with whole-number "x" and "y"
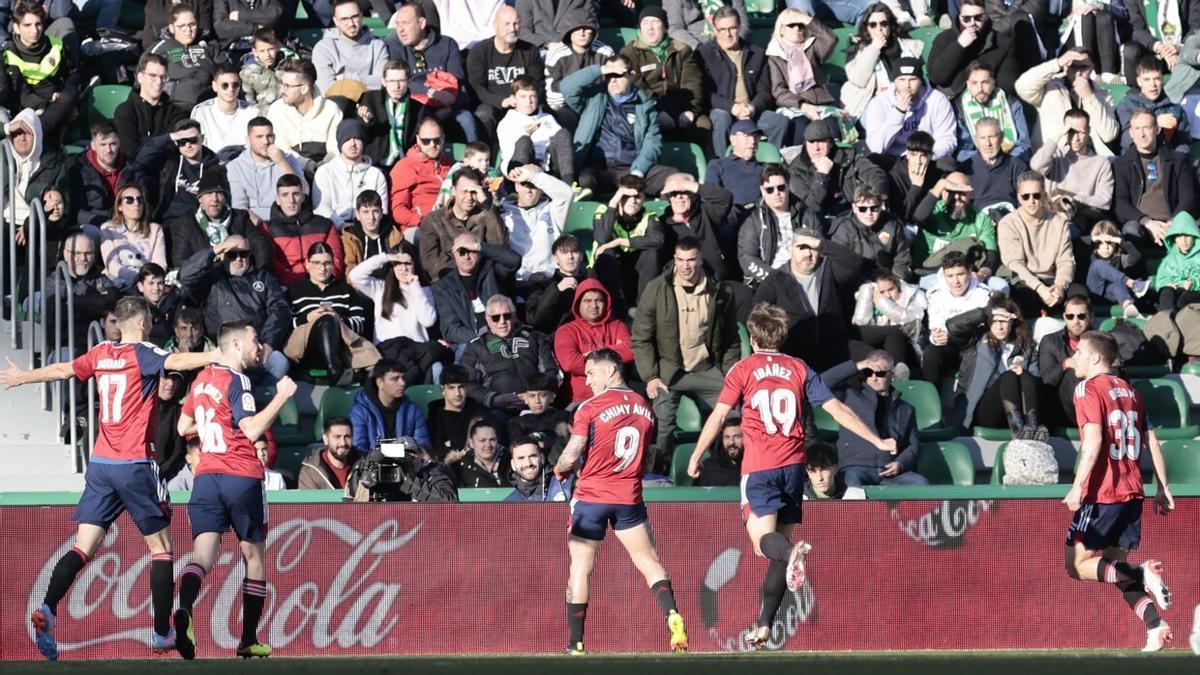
{"x": 397, "y": 112}
{"x": 217, "y": 231}
{"x": 1162, "y": 18}
{"x": 997, "y": 108}
{"x": 708, "y": 8}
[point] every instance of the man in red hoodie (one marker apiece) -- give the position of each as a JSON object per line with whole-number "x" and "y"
{"x": 95, "y": 175}
{"x": 417, "y": 178}
{"x": 592, "y": 329}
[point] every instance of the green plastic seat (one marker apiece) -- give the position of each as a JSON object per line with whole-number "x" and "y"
{"x": 308, "y": 36}
{"x": 926, "y": 35}
{"x": 998, "y": 467}
{"x": 827, "y": 427}
{"x": 1182, "y": 458}
{"x": 679, "y": 464}
{"x": 687, "y": 417}
{"x": 335, "y": 402}
{"x": 616, "y": 37}
{"x": 581, "y": 218}
{"x": 423, "y": 395}
{"x": 992, "y": 433}
{"x": 656, "y": 206}
{"x": 768, "y": 153}
{"x": 687, "y": 157}
{"x": 458, "y": 151}
{"x": 946, "y": 463}
{"x": 761, "y": 13}
{"x": 744, "y": 336}
{"x": 1107, "y": 324}
{"x": 1190, "y": 368}
{"x": 924, "y": 397}
{"x": 1167, "y": 407}
{"x": 102, "y": 100}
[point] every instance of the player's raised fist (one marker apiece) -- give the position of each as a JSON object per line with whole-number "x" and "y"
{"x": 285, "y": 387}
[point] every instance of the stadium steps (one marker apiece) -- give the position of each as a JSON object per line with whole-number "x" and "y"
{"x": 30, "y": 452}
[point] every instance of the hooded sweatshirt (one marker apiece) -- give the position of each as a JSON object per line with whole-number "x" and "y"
{"x": 562, "y": 60}
{"x": 28, "y": 165}
{"x": 575, "y": 339}
{"x": 1178, "y": 267}
{"x": 416, "y": 180}
{"x": 339, "y": 182}
{"x": 189, "y": 69}
{"x": 888, "y": 129}
{"x": 360, "y": 59}
{"x": 532, "y": 231}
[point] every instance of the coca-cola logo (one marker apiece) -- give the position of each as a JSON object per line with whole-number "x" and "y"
{"x": 343, "y": 606}
{"x": 797, "y": 607}
{"x": 944, "y": 526}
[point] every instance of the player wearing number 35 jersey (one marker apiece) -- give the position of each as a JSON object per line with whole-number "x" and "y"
{"x": 772, "y": 389}
{"x": 1106, "y": 497}
{"x": 611, "y": 434}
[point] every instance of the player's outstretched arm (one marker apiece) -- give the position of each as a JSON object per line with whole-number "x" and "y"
{"x": 570, "y": 456}
{"x": 1164, "y": 501}
{"x": 1089, "y": 451}
{"x": 14, "y": 376}
{"x": 190, "y": 360}
{"x": 256, "y": 425}
{"x": 843, "y": 415}
{"x": 712, "y": 429}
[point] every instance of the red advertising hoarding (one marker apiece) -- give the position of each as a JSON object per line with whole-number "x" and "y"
{"x": 490, "y": 578}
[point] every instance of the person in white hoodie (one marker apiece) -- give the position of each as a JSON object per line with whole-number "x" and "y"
{"x": 348, "y": 51}
{"x": 956, "y": 291}
{"x": 25, "y": 134}
{"x": 528, "y": 135}
{"x": 304, "y": 122}
{"x": 536, "y": 219}
{"x": 339, "y": 181}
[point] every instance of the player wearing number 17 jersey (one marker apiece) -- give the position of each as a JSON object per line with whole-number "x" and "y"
{"x": 228, "y": 490}
{"x": 615, "y": 428}
{"x": 122, "y": 474}
{"x": 1106, "y": 497}
{"x": 772, "y": 389}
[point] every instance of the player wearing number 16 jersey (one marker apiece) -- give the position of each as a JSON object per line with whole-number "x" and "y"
{"x": 122, "y": 474}
{"x": 615, "y": 427}
{"x": 228, "y": 490}
{"x": 772, "y": 389}
{"x": 1106, "y": 497}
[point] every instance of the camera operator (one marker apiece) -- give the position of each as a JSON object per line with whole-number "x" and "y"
{"x": 400, "y": 470}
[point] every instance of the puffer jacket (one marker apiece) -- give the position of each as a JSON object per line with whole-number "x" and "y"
{"x": 504, "y": 365}
{"x": 415, "y": 181}
{"x": 256, "y": 296}
{"x": 290, "y": 238}
{"x": 758, "y": 238}
{"x": 574, "y": 340}
{"x": 828, "y": 195}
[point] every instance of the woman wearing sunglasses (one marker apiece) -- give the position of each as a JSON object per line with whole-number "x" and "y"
{"x": 798, "y": 47}
{"x": 873, "y": 54}
{"x": 129, "y": 240}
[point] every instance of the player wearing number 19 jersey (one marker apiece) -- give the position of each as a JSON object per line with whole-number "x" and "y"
{"x": 1107, "y": 494}
{"x": 611, "y": 435}
{"x": 772, "y": 389}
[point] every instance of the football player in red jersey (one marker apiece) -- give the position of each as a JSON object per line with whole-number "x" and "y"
{"x": 615, "y": 427}
{"x": 228, "y": 489}
{"x": 772, "y": 389}
{"x": 1106, "y": 497}
{"x": 122, "y": 474}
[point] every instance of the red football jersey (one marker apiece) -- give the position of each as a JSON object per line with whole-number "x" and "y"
{"x": 127, "y": 386}
{"x": 218, "y": 400}
{"x": 1117, "y": 407}
{"x": 772, "y": 388}
{"x": 619, "y": 426}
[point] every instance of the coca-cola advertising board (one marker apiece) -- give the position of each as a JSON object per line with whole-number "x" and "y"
{"x": 490, "y": 578}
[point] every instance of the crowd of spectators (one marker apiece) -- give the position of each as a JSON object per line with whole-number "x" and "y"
{"x": 917, "y": 211}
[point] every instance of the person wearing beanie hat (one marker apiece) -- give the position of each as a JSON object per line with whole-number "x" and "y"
{"x": 667, "y": 70}
{"x": 910, "y": 104}
{"x": 573, "y": 46}
{"x": 339, "y": 181}
{"x": 213, "y": 222}
{"x": 824, "y": 176}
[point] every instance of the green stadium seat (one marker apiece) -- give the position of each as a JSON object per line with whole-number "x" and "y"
{"x": 1107, "y": 324}
{"x": 687, "y": 418}
{"x": 744, "y": 336}
{"x": 580, "y": 218}
{"x": 335, "y": 402}
{"x": 1182, "y": 458}
{"x": 423, "y": 395}
{"x": 827, "y": 427}
{"x": 308, "y": 36}
{"x": 1167, "y": 407}
{"x": 101, "y": 102}
{"x": 617, "y": 38}
{"x": 656, "y": 206}
{"x": 946, "y": 463}
{"x": 761, "y": 12}
{"x": 768, "y": 153}
{"x": 1150, "y": 370}
{"x": 998, "y": 467}
{"x": 375, "y": 23}
{"x": 687, "y": 157}
{"x": 458, "y": 151}
{"x": 926, "y": 35}
{"x": 74, "y": 149}
{"x": 1190, "y": 368}
{"x": 992, "y": 433}
{"x": 928, "y": 403}
{"x": 287, "y": 425}
{"x": 679, "y": 464}
{"x": 1117, "y": 91}
{"x": 289, "y": 458}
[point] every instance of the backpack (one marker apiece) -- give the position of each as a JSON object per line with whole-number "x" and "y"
{"x": 1030, "y": 463}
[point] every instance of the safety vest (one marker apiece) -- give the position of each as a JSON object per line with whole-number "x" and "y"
{"x": 36, "y": 73}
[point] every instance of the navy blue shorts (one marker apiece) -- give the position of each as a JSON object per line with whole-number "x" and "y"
{"x": 779, "y": 491}
{"x": 591, "y": 521}
{"x": 111, "y": 489}
{"x": 1100, "y": 526}
{"x": 220, "y": 501}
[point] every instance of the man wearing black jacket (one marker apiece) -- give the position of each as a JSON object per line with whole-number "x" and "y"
{"x": 813, "y": 289}
{"x": 95, "y": 175}
{"x": 505, "y": 356}
{"x": 973, "y": 39}
{"x": 170, "y": 167}
{"x": 700, "y": 211}
{"x": 391, "y": 115}
{"x": 1056, "y": 354}
{"x": 148, "y": 111}
{"x": 214, "y": 222}
{"x": 480, "y": 271}
{"x": 627, "y": 255}
{"x": 765, "y": 238}
{"x": 912, "y": 176}
{"x": 723, "y": 467}
{"x": 1151, "y": 184}
{"x": 824, "y": 176}
{"x": 548, "y": 301}
{"x": 493, "y": 65}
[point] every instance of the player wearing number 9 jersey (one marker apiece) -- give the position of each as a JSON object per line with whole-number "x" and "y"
{"x": 1106, "y": 497}
{"x": 228, "y": 490}
{"x": 122, "y": 474}
{"x": 772, "y": 389}
{"x": 611, "y": 436}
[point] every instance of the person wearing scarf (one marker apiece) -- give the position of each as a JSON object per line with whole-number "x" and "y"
{"x": 794, "y": 57}
{"x": 982, "y": 98}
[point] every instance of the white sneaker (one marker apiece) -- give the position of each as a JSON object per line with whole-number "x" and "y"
{"x": 1152, "y": 578}
{"x": 795, "y": 569}
{"x": 1157, "y": 638}
{"x": 1195, "y": 639}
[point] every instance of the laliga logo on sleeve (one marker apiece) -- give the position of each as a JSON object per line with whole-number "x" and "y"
{"x": 797, "y": 607}
{"x": 946, "y": 525}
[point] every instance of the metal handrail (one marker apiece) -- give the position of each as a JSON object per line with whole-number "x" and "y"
{"x": 8, "y": 243}
{"x": 35, "y": 244}
{"x": 62, "y": 279}
{"x": 95, "y": 337}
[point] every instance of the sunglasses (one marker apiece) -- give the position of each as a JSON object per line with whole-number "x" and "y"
{"x": 879, "y": 24}
{"x": 614, "y": 76}
{"x": 806, "y": 247}
{"x": 132, "y": 199}
{"x": 772, "y": 189}
{"x": 972, "y": 18}
{"x": 436, "y": 140}
{"x": 502, "y": 316}
{"x": 465, "y": 251}
{"x": 876, "y": 373}
{"x": 1080, "y": 316}
{"x": 868, "y": 209}
{"x": 190, "y": 140}
{"x": 237, "y": 255}
{"x": 231, "y": 85}
{"x": 677, "y": 193}
{"x": 1027, "y": 196}
{"x": 794, "y": 25}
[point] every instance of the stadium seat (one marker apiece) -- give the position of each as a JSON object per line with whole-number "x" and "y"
{"x": 1145, "y": 370}
{"x": 768, "y": 153}
{"x": 998, "y": 467}
{"x": 946, "y": 463}
{"x": 687, "y": 418}
{"x": 581, "y": 217}
{"x": 1182, "y": 458}
{"x": 656, "y": 206}
{"x": 687, "y": 157}
{"x": 335, "y": 402}
{"x": 926, "y": 35}
{"x": 458, "y": 151}
{"x": 827, "y": 427}
{"x": 924, "y": 397}
{"x": 679, "y": 464}
{"x": 992, "y": 433}
{"x": 744, "y": 336}
{"x": 102, "y": 100}
{"x": 1167, "y": 408}
{"x": 308, "y": 36}
{"x": 423, "y": 395}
